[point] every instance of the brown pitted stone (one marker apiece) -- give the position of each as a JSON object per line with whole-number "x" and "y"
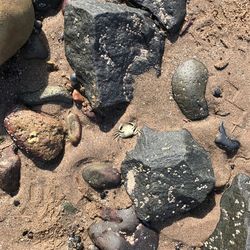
{"x": 10, "y": 165}
{"x": 37, "y": 134}
{"x": 16, "y": 24}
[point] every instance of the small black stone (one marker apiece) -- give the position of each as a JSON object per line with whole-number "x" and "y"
{"x": 38, "y": 25}
{"x": 217, "y": 92}
{"x": 73, "y": 79}
{"x": 229, "y": 145}
{"x": 30, "y": 235}
{"x": 16, "y": 203}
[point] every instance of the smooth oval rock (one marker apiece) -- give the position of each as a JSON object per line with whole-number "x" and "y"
{"x": 74, "y": 128}
{"x": 37, "y": 134}
{"x": 16, "y": 24}
{"x": 101, "y": 175}
{"x": 189, "y": 86}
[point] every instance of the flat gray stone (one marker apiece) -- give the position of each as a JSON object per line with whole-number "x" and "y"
{"x": 189, "y": 86}
{"x": 106, "y": 44}
{"x": 232, "y": 231}
{"x": 166, "y": 174}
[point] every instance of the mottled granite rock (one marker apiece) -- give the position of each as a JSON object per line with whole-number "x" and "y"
{"x": 189, "y": 86}
{"x": 170, "y": 13}
{"x": 232, "y": 231}
{"x": 106, "y": 44}
{"x": 37, "y": 134}
{"x": 16, "y": 24}
{"x": 166, "y": 174}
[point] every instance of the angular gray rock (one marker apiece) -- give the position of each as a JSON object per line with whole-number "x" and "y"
{"x": 106, "y": 44}
{"x": 166, "y": 174}
{"x": 126, "y": 233}
{"x": 232, "y": 231}
{"x": 170, "y": 13}
{"x": 189, "y": 87}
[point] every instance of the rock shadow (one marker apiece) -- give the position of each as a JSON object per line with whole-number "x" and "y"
{"x": 107, "y": 119}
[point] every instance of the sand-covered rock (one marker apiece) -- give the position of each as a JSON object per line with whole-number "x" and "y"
{"x": 16, "y": 24}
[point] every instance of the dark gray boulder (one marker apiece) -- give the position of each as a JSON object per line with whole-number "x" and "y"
{"x": 45, "y": 5}
{"x": 232, "y": 231}
{"x": 166, "y": 174}
{"x": 106, "y": 44}
{"x": 189, "y": 86}
{"x": 125, "y": 233}
{"x": 170, "y": 13}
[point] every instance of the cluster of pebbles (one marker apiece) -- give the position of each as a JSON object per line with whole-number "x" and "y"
{"x": 167, "y": 173}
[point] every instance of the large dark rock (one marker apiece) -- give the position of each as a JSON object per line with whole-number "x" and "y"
{"x": 189, "y": 86}
{"x": 170, "y": 13}
{"x": 10, "y": 166}
{"x": 166, "y": 174}
{"x": 232, "y": 231}
{"x": 126, "y": 233}
{"x": 106, "y": 44}
{"x": 45, "y": 5}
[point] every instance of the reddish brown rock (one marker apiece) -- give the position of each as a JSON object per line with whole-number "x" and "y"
{"x": 10, "y": 165}
{"x": 37, "y": 134}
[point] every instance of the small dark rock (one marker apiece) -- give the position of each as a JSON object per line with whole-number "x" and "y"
{"x": 35, "y": 48}
{"x": 10, "y": 166}
{"x": 30, "y": 235}
{"x": 229, "y": 145}
{"x": 38, "y": 26}
{"x": 106, "y": 44}
{"x": 69, "y": 208}
{"x": 217, "y": 92}
{"x": 37, "y": 134}
{"x": 128, "y": 234}
{"x": 170, "y": 13}
{"x": 16, "y": 203}
{"x": 166, "y": 174}
{"x": 233, "y": 230}
{"x": 46, "y": 5}
{"x": 101, "y": 175}
{"x": 73, "y": 80}
{"x": 189, "y": 87}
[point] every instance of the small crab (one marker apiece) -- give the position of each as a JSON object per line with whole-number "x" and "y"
{"x": 127, "y": 130}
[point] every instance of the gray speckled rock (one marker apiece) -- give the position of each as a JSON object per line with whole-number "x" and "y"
{"x": 232, "y": 231}
{"x": 106, "y": 44}
{"x": 170, "y": 13}
{"x": 166, "y": 174}
{"x": 127, "y": 234}
{"x": 189, "y": 87}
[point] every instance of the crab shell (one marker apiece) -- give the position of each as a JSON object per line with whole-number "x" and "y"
{"x": 127, "y": 130}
